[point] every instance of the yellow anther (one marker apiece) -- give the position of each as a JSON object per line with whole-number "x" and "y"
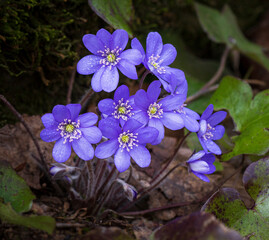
{"x": 69, "y": 128}
{"x": 122, "y": 110}
{"x": 125, "y": 138}
{"x": 111, "y": 57}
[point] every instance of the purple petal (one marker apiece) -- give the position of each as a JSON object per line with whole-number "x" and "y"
{"x": 157, "y": 124}
{"x": 61, "y": 112}
{"x": 146, "y": 135}
{"x": 92, "y": 134}
{"x": 168, "y": 54}
{"x": 127, "y": 68}
{"x": 121, "y": 92}
{"x": 110, "y": 127}
{"x": 89, "y": 64}
{"x": 48, "y": 120}
{"x": 93, "y": 44}
{"x": 132, "y": 55}
{"x": 141, "y": 156}
{"x": 191, "y": 113}
{"x": 74, "y": 110}
{"x": 122, "y": 160}
{"x": 141, "y": 99}
{"x": 83, "y": 148}
{"x": 61, "y": 151}
{"x": 50, "y": 134}
{"x": 216, "y": 118}
{"x": 196, "y": 156}
{"x": 135, "y": 44}
{"x": 141, "y": 116}
{"x": 209, "y": 110}
{"x": 199, "y": 166}
{"x": 203, "y": 127}
{"x": 153, "y": 91}
{"x": 218, "y": 132}
{"x": 172, "y": 120}
{"x": 212, "y": 169}
{"x": 213, "y": 147}
{"x": 96, "y": 80}
{"x": 154, "y": 44}
{"x": 209, "y": 158}
{"x": 201, "y": 176}
{"x": 106, "y": 106}
{"x": 104, "y": 36}
{"x": 202, "y": 141}
{"x": 119, "y": 39}
{"x": 87, "y": 119}
{"x": 131, "y": 125}
{"x": 171, "y": 102}
{"x": 191, "y": 124}
{"x": 110, "y": 79}
{"x": 107, "y": 149}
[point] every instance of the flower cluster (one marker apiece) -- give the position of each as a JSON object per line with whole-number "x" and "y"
{"x": 128, "y": 122}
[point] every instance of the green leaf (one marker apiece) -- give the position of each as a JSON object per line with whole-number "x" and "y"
{"x": 13, "y": 189}
{"x": 251, "y": 117}
{"x": 8, "y": 215}
{"x": 223, "y": 28}
{"x": 228, "y": 207}
{"x": 198, "y": 225}
{"x": 117, "y": 13}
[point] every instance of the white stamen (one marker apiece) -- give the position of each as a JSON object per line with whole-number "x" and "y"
{"x": 208, "y": 134}
{"x": 122, "y": 110}
{"x": 131, "y": 140}
{"x": 153, "y": 61}
{"x": 75, "y": 134}
{"x": 110, "y": 57}
{"x": 155, "y": 110}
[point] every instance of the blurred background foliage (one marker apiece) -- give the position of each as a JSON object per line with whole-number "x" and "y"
{"x": 40, "y": 43}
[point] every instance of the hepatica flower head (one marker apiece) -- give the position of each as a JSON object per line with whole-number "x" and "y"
{"x": 120, "y": 108}
{"x": 157, "y": 113}
{"x": 125, "y": 143}
{"x": 201, "y": 163}
{"x": 108, "y": 56}
{"x": 70, "y": 130}
{"x": 210, "y": 130}
{"x": 157, "y": 56}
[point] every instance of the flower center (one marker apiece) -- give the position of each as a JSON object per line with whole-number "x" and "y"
{"x": 110, "y": 57}
{"x": 153, "y": 62}
{"x": 208, "y": 134}
{"x": 69, "y": 130}
{"x": 122, "y": 110}
{"x": 128, "y": 140}
{"x": 155, "y": 110}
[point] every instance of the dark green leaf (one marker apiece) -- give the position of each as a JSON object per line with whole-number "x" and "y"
{"x": 13, "y": 189}
{"x": 223, "y": 28}
{"x": 251, "y": 117}
{"x": 199, "y": 225}
{"x": 117, "y": 13}
{"x": 8, "y": 215}
{"x": 227, "y": 206}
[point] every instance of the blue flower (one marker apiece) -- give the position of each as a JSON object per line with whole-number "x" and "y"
{"x": 155, "y": 113}
{"x": 108, "y": 58}
{"x": 120, "y": 108}
{"x": 157, "y": 56}
{"x": 125, "y": 143}
{"x": 210, "y": 130}
{"x": 69, "y": 129}
{"x": 201, "y": 163}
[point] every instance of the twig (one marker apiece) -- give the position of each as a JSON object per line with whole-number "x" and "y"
{"x": 201, "y": 93}
{"x": 71, "y": 84}
{"x": 71, "y": 225}
{"x": 216, "y": 76}
{"x": 41, "y": 161}
{"x": 86, "y": 97}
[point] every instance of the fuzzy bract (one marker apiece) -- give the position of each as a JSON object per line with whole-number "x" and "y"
{"x": 70, "y": 130}
{"x": 201, "y": 163}
{"x": 108, "y": 56}
{"x": 126, "y": 142}
{"x": 210, "y": 130}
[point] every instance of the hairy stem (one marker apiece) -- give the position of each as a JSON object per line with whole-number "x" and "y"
{"x": 143, "y": 78}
